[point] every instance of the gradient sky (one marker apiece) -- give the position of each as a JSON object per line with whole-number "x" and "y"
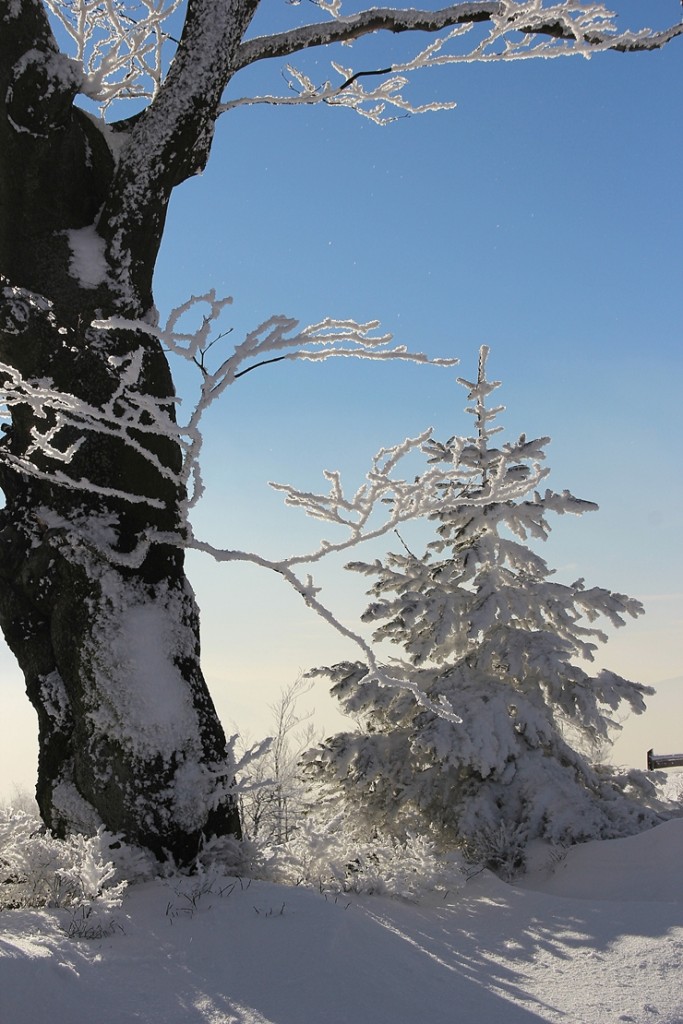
{"x": 542, "y": 217}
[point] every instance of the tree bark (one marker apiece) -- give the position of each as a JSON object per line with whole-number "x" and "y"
{"x": 103, "y": 624}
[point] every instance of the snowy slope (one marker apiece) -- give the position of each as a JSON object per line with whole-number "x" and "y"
{"x": 595, "y": 937}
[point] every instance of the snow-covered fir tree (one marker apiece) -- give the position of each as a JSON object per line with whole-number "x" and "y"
{"x": 488, "y": 632}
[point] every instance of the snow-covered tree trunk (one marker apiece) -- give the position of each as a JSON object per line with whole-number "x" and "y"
{"x": 106, "y": 633}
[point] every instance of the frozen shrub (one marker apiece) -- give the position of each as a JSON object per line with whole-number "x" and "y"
{"x": 37, "y": 870}
{"x": 331, "y": 856}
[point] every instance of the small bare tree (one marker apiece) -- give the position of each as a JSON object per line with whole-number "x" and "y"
{"x": 272, "y": 800}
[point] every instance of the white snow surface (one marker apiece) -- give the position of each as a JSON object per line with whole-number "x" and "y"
{"x": 88, "y": 261}
{"x": 594, "y": 937}
{"x": 139, "y": 681}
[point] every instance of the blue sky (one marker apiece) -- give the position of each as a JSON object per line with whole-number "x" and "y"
{"x": 542, "y": 217}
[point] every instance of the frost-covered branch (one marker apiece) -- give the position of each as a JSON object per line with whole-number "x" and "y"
{"x": 136, "y": 418}
{"x": 119, "y": 46}
{"x": 570, "y": 24}
{"x": 123, "y": 48}
{"x": 277, "y": 338}
{"x": 382, "y": 103}
{"x": 393, "y": 677}
{"x": 403, "y": 499}
{"x": 127, "y": 415}
{"x": 499, "y": 31}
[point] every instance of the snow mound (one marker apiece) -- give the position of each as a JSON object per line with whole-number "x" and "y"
{"x": 647, "y": 867}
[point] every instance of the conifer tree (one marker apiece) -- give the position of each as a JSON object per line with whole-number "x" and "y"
{"x": 488, "y": 632}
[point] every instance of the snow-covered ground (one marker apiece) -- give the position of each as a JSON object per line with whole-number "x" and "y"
{"x": 594, "y": 936}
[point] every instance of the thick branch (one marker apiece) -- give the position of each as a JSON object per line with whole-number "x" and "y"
{"x": 627, "y": 42}
{"x": 354, "y": 26}
{"x": 171, "y": 139}
{"x": 364, "y": 23}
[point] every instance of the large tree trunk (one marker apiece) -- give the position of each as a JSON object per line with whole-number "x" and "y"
{"x": 99, "y": 615}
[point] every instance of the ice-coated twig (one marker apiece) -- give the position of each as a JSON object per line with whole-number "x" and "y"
{"x": 583, "y": 26}
{"x": 382, "y": 104}
{"x": 499, "y": 31}
{"x": 309, "y": 592}
{"x": 132, "y": 416}
{"x": 277, "y": 338}
{"x": 403, "y": 499}
{"x": 118, "y": 45}
{"x": 123, "y": 48}
{"x": 126, "y": 415}
{"x": 60, "y": 478}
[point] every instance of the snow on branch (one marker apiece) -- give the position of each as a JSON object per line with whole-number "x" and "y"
{"x": 126, "y": 415}
{"x": 403, "y": 499}
{"x": 117, "y": 43}
{"x": 382, "y": 103}
{"x": 120, "y": 46}
{"x": 572, "y": 25}
{"x": 136, "y": 418}
{"x": 277, "y": 339}
{"x": 278, "y": 334}
{"x": 396, "y": 678}
{"x": 499, "y": 31}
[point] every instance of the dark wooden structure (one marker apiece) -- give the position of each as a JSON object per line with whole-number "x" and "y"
{"x": 663, "y": 760}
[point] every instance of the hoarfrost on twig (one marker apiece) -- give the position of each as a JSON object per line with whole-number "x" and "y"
{"x": 132, "y": 416}
{"x": 123, "y": 48}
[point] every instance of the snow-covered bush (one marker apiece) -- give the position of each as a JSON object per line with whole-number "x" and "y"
{"x": 329, "y": 854}
{"x": 37, "y": 870}
{"x": 672, "y": 786}
{"x": 493, "y": 638}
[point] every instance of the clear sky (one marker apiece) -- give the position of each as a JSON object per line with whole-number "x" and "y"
{"x": 543, "y": 217}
